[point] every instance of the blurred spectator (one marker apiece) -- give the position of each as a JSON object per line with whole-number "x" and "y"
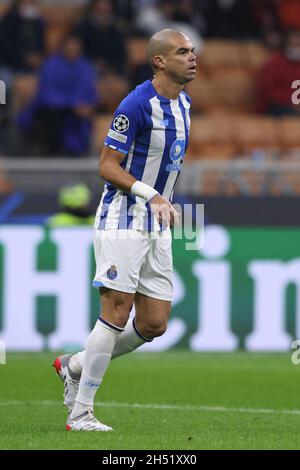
{"x": 289, "y": 14}
{"x": 74, "y": 201}
{"x": 230, "y": 19}
{"x": 59, "y": 118}
{"x": 103, "y": 41}
{"x": 166, "y": 14}
{"x": 22, "y": 33}
{"x": 140, "y": 74}
{"x": 276, "y": 77}
{"x": 266, "y": 16}
{"x": 124, "y": 11}
{"x": 189, "y": 12}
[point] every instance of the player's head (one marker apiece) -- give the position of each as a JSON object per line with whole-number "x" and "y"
{"x": 171, "y": 52}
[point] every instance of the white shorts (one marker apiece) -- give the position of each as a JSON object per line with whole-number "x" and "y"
{"x": 134, "y": 261}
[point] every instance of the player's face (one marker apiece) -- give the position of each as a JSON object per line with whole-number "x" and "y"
{"x": 180, "y": 62}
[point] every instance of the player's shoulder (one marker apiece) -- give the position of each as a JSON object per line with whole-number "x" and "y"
{"x": 139, "y": 97}
{"x": 186, "y": 99}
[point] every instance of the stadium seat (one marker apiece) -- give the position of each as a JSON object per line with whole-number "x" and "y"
{"x": 225, "y": 91}
{"x": 289, "y": 132}
{"x": 233, "y": 90}
{"x": 221, "y": 54}
{"x": 254, "y": 54}
{"x": 254, "y": 133}
{"x": 224, "y": 54}
{"x": 201, "y": 91}
{"x": 211, "y": 137}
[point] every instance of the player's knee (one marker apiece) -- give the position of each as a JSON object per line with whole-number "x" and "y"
{"x": 153, "y": 330}
{"x": 116, "y": 309}
{"x": 117, "y": 315}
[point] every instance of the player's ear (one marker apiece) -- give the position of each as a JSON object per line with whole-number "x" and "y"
{"x": 159, "y": 61}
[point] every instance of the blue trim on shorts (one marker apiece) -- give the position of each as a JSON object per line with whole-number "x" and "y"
{"x": 98, "y": 284}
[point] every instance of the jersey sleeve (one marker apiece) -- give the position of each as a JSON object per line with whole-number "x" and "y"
{"x": 127, "y": 123}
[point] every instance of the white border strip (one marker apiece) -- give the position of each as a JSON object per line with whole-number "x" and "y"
{"x": 156, "y": 406}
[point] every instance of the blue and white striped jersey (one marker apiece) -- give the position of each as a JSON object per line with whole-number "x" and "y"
{"x": 152, "y": 132}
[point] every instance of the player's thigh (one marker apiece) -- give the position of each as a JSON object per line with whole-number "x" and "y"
{"x": 151, "y": 315}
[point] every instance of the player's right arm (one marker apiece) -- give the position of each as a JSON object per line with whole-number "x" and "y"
{"x": 111, "y": 171}
{"x": 128, "y": 121}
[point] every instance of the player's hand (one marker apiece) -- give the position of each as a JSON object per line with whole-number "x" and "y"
{"x": 164, "y": 211}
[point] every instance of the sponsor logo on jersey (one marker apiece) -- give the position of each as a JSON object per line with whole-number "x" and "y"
{"x": 164, "y": 122}
{"x": 117, "y": 136}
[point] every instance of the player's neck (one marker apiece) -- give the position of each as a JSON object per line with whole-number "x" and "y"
{"x": 165, "y": 88}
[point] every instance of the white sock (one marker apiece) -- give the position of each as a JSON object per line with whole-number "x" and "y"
{"x": 98, "y": 352}
{"x": 77, "y": 362}
{"x": 129, "y": 340}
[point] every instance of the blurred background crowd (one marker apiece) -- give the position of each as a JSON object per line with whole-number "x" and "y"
{"x": 67, "y": 65}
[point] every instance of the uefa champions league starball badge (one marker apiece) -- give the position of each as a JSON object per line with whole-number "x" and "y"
{"x": 121, "y": 123}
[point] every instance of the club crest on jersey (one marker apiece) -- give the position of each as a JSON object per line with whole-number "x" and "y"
{"x": 121, "y": 123}
{"x": 112, "y": 272}
{"x": 176, "y": 154}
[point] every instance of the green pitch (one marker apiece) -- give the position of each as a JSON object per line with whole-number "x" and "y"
{"x": 174, "y": 400}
